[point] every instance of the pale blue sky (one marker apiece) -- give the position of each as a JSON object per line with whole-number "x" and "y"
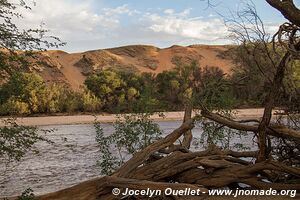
{"x": 95, "y": 24}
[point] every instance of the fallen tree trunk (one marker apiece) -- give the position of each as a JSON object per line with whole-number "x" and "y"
{"x": 198, "y": 170}
{"x": 180, "y": 170}
{"x": 273, "y": 130}
{"x": 143, "y": 155}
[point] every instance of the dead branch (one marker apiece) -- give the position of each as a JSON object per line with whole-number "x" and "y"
{"x": 141, "y": 156}
{"x": 186, "y": 143}
{"x": 272, "y": 130}
{"x": 287, "y": 9}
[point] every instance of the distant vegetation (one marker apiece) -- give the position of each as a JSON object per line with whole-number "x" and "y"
{"x": 118, "y": 91}
{"x": 27, "y": 93}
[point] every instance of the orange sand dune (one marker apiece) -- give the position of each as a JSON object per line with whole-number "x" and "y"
{"x": 72, "y": 68}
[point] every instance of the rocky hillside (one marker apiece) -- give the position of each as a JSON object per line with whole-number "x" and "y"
{"x": 72, "y": 68}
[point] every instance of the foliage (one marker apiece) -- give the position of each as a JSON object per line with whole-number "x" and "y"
{"x": 16, "y": 140}
{"x": 253, "y": 73}
{"x": 135, "y": 132}
{"x": 13, "y": 38}
{"x": 290, "y": 99}
{"x": 119, "y": 92}
{"x": 220, "y": 135}
{"x": 14, "y": 106}
{"x": 108, "y": 162}
{"x": 24, "y": 87}
{"x": 27, "y": 195}
{"x": 90, "y": 102}
{"x": 132, "y": 133}
{"x": 23, "y": 39}
{"x": 249, "y": 78}
{"x": 108, "y": 87}
{"x": 27, "y": 93}
{"x": 169, "y": 90}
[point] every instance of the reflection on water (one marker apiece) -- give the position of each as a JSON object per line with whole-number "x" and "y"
{"x": 72, "y": 159}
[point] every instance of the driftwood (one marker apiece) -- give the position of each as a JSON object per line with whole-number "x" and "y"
{"x": 164, "y": 165}
{"x": 273, "y": 130}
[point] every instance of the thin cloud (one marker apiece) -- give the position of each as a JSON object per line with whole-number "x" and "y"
{"x": 188, "y": 28}
{"x": 85, "y": 28}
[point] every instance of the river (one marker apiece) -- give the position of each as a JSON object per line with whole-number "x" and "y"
{"x": 70, "y": 160}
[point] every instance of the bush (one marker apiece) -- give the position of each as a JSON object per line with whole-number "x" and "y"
{"x": 14, "y": 106}
{"x": 27, "y": 195}
{"x": 132, "y": 133}
{"x": 90, "y": 102}
{"x": 16, "y": 140}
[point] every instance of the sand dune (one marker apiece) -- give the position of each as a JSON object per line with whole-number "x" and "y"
{"x": 72, "y": 68}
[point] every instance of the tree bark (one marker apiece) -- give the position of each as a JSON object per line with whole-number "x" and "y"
{"x": 143, "y": 155}
{"x": 269, "y": 105}
{"x": 277, "y": 131}
{"x": 188, "y": 136}
{"x": 287, "y": 9}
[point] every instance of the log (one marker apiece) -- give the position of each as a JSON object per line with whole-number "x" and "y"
{"x": 272, "y": 130}
{"x": 188, "y": 136}
{"x": 180, "y": 169}
{"x": 199, "y": 170}
{"x": 239, "y": 174}
{"x": 143, "y": 155}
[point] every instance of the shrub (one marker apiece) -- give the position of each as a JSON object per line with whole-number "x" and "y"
{"x": 27, "y": 195}
{"x": 132, "y": 133}
{"x": 14, "y": 106}
{"x": 16, "y": 140}
{"x": 90, "y": 102}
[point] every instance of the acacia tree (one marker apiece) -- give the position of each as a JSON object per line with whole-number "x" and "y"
{"x": 15, "y": 140}
{"x": 13, "y": 38}
{"x": 287, "y": 9}
{"x": 271, "y": 56}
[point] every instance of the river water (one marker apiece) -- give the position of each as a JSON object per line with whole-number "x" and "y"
{"x": 70, "y": 160}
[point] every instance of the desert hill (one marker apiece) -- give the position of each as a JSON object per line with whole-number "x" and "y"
{"x": 72, "y": 68}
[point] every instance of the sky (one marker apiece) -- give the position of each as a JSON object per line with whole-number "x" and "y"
{"x": 97, "y": 24}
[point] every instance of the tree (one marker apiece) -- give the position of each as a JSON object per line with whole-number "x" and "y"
{"x": 220, "y": 177}
{"x": 108, "y": 86}
{"x": 287, "y": 9}
{"x": 12, "y": 38}
{"x": 15, "y": 139}
{"x": 132, "y": 134}
{"x": 277, "y": 53}
{"x": 25, "y": 87}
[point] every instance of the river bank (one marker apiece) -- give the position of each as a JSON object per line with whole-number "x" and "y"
{"x": 241, "y": 114}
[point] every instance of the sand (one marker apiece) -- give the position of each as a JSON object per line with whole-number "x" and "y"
{"x": 61, "y": 66}
{"x": 254, "y": 113}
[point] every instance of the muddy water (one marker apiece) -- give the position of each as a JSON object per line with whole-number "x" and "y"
{"x": 72, "y": 159}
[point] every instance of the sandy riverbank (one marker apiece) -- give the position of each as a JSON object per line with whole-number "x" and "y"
{"x": 253, "y": 113}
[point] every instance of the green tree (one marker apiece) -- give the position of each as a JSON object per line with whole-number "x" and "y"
{"x": 168, "y": 90}
{"x": 90, "y": 102}
{"x": 147, "y": 101}
{"x": 15, "y": 140}
{"x": 26, "y": 88}
{"x": 108, "y": 87}
{"x": 192, "y": 84}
